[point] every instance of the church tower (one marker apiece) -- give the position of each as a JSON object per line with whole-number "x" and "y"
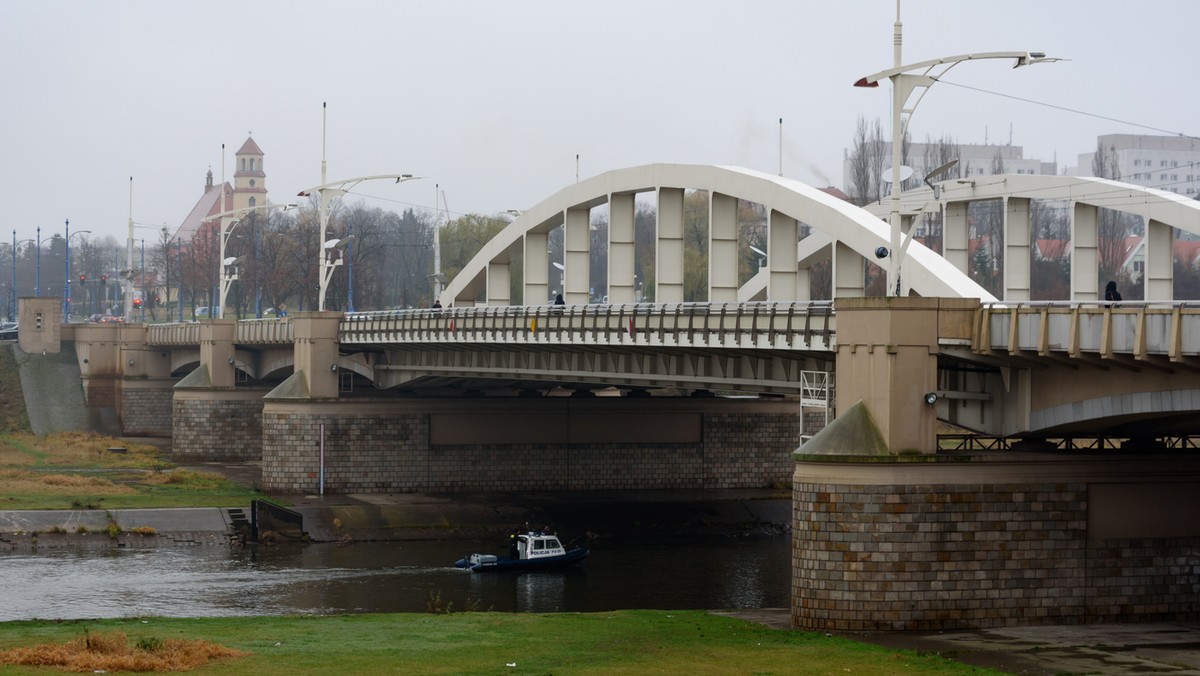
{"x": 249, "y": 179}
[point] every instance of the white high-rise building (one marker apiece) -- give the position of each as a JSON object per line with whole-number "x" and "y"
{"x": 1169, "y": 163}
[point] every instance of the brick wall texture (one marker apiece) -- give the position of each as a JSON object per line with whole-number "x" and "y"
{"x": 146, "y": 412}
{"x": 937, "y": 557}
{"x": 374, "y": 453}
{"x": 229, "y": 429}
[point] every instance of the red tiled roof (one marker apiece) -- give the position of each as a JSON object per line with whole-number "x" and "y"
{"x": 836, "y": 193}
{"x": 249, "y": 148}
{"x": 209, "y": 203}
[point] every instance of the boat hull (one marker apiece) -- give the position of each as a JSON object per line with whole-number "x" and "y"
{"x": 489, "y": 564}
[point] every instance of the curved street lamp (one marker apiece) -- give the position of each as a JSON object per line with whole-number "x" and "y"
{"x": 903, "y": 85}
{"x": 326, "y": 192}
{"x": 228, "y": 221}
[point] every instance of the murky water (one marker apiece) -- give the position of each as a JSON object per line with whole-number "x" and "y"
{"x": 389, "y": 577}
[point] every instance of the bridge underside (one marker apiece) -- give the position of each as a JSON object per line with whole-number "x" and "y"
{"x": 581, "y": 369}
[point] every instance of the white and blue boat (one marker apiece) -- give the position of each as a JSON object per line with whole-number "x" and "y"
{"x": 533, "y": 550}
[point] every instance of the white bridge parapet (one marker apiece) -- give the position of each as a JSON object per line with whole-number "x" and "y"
{"x": 806, "y": 326}
{"x": 249, "y": 332}
{"x": 1142, "y": 330}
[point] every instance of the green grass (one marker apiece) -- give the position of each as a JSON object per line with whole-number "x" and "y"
{"x": 75, "y": 470}
{"x": 623, "y": 642}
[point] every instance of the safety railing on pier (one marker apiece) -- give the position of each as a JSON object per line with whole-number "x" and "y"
{"x": 1140, "y": 329}
{"x": 765, "y": 325}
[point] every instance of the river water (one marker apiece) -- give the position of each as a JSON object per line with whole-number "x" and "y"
{"x": 683, "y": 573}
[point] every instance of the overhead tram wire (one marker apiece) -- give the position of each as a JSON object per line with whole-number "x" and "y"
{"x": 1070, "y": 110}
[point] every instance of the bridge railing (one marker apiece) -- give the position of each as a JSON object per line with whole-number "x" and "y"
{"x": 177, "y": 333}
{"x": 274, "y": 331}
{"x": 1141, "y": 329}
{"x": 766, "y": 325}
{"x": 266, "y": 331}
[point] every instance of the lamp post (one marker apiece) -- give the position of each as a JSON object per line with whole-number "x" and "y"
{"x": 67, "y": 272}
{"x": 12, "y": 308}
{"x": 37, "y": 274}
{"x": 228, "y": 221}
{"x": 179, "y": 303}
{"x": 326, "y": 192}
{"x": 903, "y": 86}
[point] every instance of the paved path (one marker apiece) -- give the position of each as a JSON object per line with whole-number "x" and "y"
{"x": 191, "y": 519}
{"x": 1171, "y": 648}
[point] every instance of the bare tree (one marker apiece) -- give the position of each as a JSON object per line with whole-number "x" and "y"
{"x": 937, "y": 154}
{"x": 1113, "y": 230}
{"x": 867, "y": 159}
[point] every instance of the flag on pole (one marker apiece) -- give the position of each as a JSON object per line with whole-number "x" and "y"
{"x": 630, "y": 327}
{"x": 451, "y": 325}
{"x": 533, "y": 325}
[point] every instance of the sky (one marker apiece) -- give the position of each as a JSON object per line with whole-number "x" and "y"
{"x": 491, "y": 102}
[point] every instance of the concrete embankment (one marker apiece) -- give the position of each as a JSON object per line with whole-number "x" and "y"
{"x": 419, "y": 517}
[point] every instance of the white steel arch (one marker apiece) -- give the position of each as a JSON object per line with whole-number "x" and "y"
{"x": 842, "y": 230}
{"x": 1162, "y": 210}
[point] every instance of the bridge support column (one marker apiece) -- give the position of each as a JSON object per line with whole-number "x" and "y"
{"x": 1159, "y": 266}
{"x": 887, "y": 358}
{"x": 1016, "y": 249}
{"x": 576, "y": 243}
{"x": 621, "y": 282}
{"x": 537, "y": 259}
{"x": 1085, "y": 256}
{"x": 144, "y": 402}
{"x": 211, "y": 418}
{"x": 784, "y": 233}
{"x": 956, "y": 235}
{"x": 499, "y": 283}
{"x": 668, "y": 269}
{"x": 847, "y": 272}
{"x": 722, "y": 249}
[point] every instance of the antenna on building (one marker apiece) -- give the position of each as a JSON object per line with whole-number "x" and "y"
{"x": 576, "y": 167}
{"x": 1010, "y": 133}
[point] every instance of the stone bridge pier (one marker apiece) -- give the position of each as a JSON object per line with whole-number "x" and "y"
{"x": 889, "y": 533}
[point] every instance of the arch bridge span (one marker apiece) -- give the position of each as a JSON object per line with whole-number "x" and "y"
{"x": 842, "y": 233}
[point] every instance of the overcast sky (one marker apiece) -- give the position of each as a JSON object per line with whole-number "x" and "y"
{"x": 493, "y": 100}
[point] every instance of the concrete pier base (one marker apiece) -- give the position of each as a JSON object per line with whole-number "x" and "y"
{"x": 977, "y": 541}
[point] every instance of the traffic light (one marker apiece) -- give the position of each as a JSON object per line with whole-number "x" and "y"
{"x": 82, "y": 279}
{"x": 137, "y": 303}
{"x": 103, "y": 280}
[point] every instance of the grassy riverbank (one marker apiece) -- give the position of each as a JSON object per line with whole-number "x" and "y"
{"x": 623, "y": 642}
{"x": 77, "y": 470}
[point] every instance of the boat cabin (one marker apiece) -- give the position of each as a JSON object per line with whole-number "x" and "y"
{"x": 534, "y": 545}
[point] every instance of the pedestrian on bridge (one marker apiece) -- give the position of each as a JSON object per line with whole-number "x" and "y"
{"x": 1110, "y": 292}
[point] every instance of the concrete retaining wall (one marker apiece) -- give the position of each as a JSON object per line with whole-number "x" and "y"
{"x": 410, "y": 446}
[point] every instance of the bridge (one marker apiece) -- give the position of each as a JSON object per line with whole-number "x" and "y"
{"x": 486, "y": 394}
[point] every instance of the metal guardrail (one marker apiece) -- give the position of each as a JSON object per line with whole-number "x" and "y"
{"x": 1141, "y": 329}
{"x": 768, "y": 325}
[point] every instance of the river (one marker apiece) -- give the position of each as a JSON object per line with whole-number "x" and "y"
{"x": 661, "y": 573}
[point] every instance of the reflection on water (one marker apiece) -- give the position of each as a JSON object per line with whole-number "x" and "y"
{"x": 389, "y": 577}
